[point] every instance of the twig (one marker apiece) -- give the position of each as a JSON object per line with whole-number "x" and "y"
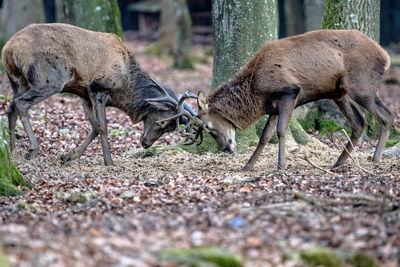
{"x": 292, "y": 204}
{"x": 352, "y": 158}
{"x": 315, "y": 202}
{"x": 306, "y": 158}
{"x": 348, "y": 138}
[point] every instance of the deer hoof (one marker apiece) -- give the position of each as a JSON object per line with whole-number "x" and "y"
{"x": 247, "y": 168}
{"x": 65, "y": 157}
{"x": 31, "y": 154}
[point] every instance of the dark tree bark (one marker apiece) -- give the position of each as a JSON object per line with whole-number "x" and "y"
{"x": 95, "y": 15}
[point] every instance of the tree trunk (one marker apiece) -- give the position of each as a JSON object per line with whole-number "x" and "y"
{"x": 241, "y": 27}
{"x": 10, "y": 177}
{"x": 362, "y": 15}
{"x": 16, "y": 14}
{"x": 168, "y": 27}
{"x": 183, "y": 36}
{"x": 313, "y": 11}
{"x": 294, "y": 17}
{"x": 95, "y": 15}
{"x": 175, "y": 33}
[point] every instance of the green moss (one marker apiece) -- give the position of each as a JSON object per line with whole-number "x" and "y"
{"x": 5, "y": 97}
{"x": 209, "y": 52}
{"x": 310, "y": 124}
{"x": 153, "y": 49}
{"x": 362, "y": 260}
{"x": 187, "y": 63}
{"x": 334, "y": 258}
{"x": 208, "y": 145}
{"x": 320, "y": 257}
{"x": 325, "y": 127}
{"x": 3, "y": 259}
{"x": 26, "y": 206}
{"x": 247, "y": 138}
{"x": 391, "y": 142}
{"x": 197, "y": 257}
{"x": 10, "y": 177}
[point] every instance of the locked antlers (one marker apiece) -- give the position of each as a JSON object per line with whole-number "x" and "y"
{"x": 182, "y": 109}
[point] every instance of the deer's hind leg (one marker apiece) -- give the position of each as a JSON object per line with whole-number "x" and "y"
{"x": 18, "y": 89}
{"x": 23, "y": 103}
{"x": 385, "y": 118}
{"x": 286, "y": 105}
{"x": 357, "y": 122}
{"x": 367, "y": 97}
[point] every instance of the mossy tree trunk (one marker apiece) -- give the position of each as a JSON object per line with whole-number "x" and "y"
{"x": 95, "y": 15}
{"x": 10, "y": 177}
{"x": 241, "y": 27}
{"x": 362, "y": 15}
{"x": 16, "y": 14}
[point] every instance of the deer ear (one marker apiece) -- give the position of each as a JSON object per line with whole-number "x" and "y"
{"x": 202, "y": 102}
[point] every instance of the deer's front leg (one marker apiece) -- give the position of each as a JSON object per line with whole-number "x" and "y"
{"x": 94, "y": 132}
{"x": 286, "y": 105}
{"x": 266, "y": 135}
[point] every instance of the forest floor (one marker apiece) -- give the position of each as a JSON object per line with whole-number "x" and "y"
{"x": 143, "y": 205}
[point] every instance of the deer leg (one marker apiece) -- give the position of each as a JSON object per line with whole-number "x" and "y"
{"x": 99, "y": 100}
{"x": 287, "y": 104}
{"x": 12, "y": 121}
{"x": 22, "y": 104}
{"x": 94, "y": 132}
{"x": 266, "y": 135}
{"x": 357, "y": 122}
{"x": 385, "y": 118}
{"x": 18, "y": 90}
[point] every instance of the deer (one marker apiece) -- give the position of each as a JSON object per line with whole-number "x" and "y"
{"x": 343, "y": 65}
{"x": 45, "y": 59}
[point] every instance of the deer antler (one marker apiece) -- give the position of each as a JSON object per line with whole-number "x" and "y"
{"x": 182, "y": 109}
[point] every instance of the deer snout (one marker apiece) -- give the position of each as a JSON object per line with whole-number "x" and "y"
{"x": 229, "y": 147}
{"x": 145, "y": 142}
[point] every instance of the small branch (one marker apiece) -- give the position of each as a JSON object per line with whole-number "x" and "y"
{"x": 306, "y": 158}
{"x": 315, "y": 202}
{"x": 352, "y": 158}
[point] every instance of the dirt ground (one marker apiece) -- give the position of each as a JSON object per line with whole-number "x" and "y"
{"x": 179, "y": 200}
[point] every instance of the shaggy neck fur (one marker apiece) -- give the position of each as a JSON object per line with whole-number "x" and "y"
{"x": 141, "y": 87}
{"x": 236, "y": 102}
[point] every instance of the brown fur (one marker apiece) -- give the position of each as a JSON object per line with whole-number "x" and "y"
{"x": 45, "y": 59}
{"x": 314, "y": 61}
{"x": 244, "y": 109}
{"x": 343, "y": 65}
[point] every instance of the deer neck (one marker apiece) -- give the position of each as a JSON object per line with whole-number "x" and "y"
{"x": 137, "y": 88}
{"x": 237, "y": 102}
